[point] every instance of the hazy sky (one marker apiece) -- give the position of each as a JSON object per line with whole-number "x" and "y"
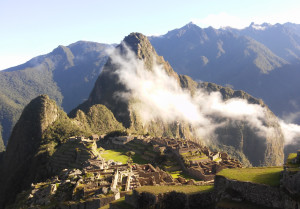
{"x": 34, "y": 27}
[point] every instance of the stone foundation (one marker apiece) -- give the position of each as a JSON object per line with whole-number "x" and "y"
{"x": 246, "y": 191}
{"x": 174, "y": 200}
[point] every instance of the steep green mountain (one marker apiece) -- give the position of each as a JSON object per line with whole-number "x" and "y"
{"x": 67, "y": 75}
{"x": 22, "y": 164}
{"x": 260, "y": 59}
{"x": 38, "y": 139}
{"x": 246, "y": 146}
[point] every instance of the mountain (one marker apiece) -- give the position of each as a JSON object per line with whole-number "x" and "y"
{"x": 247, "y": 145}
{"x": 21, "y": 163}
{"x": 39, "y": 138}
{"x": 281, "y": 39}
{"x": 67, "y": 75}
{"x": 36, "y": 146}
{"x": 200, "y": 52}
{"x": 260, "y": 59}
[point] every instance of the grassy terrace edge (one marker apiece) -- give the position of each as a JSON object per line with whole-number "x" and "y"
{"x": 187, "y": 189}
{"x": 259, "y": 175}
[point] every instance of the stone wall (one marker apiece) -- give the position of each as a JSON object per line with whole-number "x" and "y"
{"x": 291, "y": 181}
{"x": 197, "y": 173}
{"x": 174, "y": 200}
{"x": 89, "y": 204}
{"x": 246, "y": 191}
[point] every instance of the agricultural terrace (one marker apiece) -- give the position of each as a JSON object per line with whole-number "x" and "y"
{"x": 260, "y": 175}
{"x": 189, "y": 189}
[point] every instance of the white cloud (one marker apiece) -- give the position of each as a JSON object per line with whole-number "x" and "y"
{"x": 224, "y": 19}
{"x": 221, "y": 20}
{"x": 291, "y": 117}
{"x": 292, "y": 15}
{"x": 159, "y": 96}
{"x": 291, "y": 132}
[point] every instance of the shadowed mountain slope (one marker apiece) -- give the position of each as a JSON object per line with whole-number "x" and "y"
{"x": 67, "y": 75}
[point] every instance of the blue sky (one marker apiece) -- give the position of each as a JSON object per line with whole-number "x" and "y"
{"x": 34, "y": 27}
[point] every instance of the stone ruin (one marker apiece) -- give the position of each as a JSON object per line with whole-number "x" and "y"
{"x": 195, "y": 159}
{"x": 74, "y": 154}
{"x": 123, "y": 178}
{"x": 103, "y": 181}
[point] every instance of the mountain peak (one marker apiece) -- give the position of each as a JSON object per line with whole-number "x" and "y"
{"x": 191, "y": 25}
{"x": 138, "y": 43}
{"x": 108, "y": 83}
{"x": 262, "y": 26}
{"x": 61, "y": 50}
{"x": 66, "y": 53}
{"x": 23, "y": 146}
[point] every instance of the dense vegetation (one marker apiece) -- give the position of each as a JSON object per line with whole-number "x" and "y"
{"x": 122, "y": 156}
{"x": 61, "y": 74}
{"x": 62, "y": 129}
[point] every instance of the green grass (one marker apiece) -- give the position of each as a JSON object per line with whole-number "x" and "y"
{"x": 292, "y": 166}
{"x": 291, "y": 156}
{"x": 260, "y": 175}
{"x": 176, "y": 174}
{"x": 120, "y": 156}
{"x": 189, "y": 189}
{"x": 198, "y": 158}
{"x": 186, "y": 153}
{"x": 120, "y": 203}
{"x": 116, "y": 155}
{"x": 217, "y": 159}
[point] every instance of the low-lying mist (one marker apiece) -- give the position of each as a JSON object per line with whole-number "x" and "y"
{"x": 160, "y": 96}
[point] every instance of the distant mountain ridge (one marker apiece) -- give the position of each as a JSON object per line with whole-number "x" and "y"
{"x": 67, "y": 75}
{"x": 262, "y": 60}
{"x": 281, "y": 39}
{"x": 242, "y": 59}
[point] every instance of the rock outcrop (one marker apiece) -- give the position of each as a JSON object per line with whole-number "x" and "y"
{"x": 22, "y": 164}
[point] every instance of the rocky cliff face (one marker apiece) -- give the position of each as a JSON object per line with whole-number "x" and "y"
{"x": 237, "y": 138}
{"x": 21, "y": 163}
{"x": 107, "y": 85}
